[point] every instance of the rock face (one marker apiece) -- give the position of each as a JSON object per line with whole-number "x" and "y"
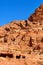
{"x": 21, "y": 42}
{"x": 38, "y": 15}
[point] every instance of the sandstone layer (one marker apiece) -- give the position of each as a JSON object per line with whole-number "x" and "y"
{"x": 21, "y": 42}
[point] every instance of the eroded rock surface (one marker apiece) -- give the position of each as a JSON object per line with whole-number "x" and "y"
{"x": 21, "y": 42}
{"x": 37, "y": 15}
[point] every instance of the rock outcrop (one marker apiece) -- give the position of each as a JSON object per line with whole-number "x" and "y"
{"x": 38, "y": 15}
{"x": 21, "y": 42}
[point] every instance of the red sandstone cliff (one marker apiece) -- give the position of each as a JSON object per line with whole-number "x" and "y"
{"x": 21, "y": 42}
{"x": 37, "y": 15}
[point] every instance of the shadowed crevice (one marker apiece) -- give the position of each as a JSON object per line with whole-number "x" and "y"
{"x": 6, "y": 55}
